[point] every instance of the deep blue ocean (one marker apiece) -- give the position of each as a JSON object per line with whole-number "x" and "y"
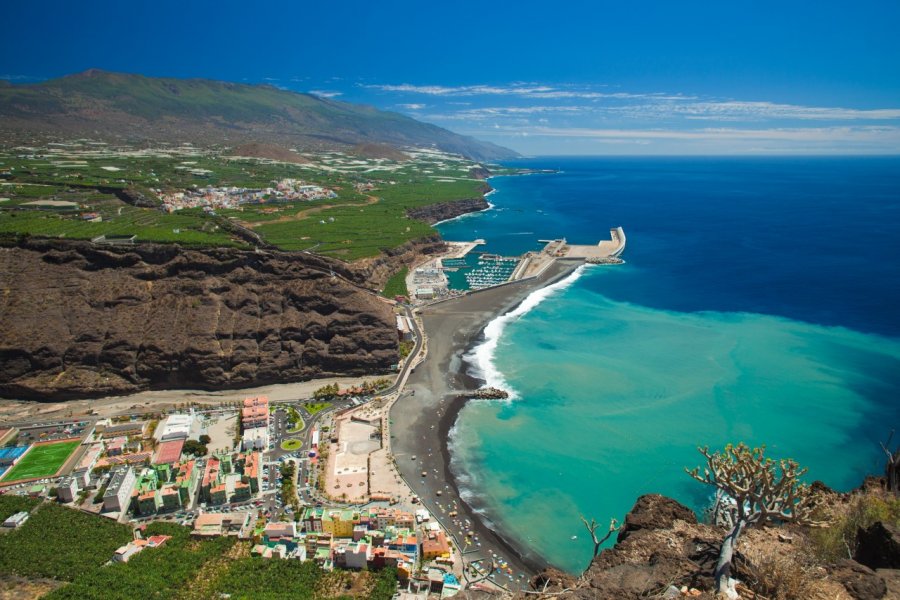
{"x": 759, "y": 303}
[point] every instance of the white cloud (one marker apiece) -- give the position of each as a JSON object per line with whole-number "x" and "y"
{"x": 732, "y": 110}
{"x": 490, "y": 112}
{"x": 325, "y": 93}
{"x": 413, "y": 106}
{"x": 819, "y": 134}
{"x": 522, "y": 90}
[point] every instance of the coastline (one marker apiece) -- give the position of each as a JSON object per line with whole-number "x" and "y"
{"x": 490, "y": 205}
{"x": 435, "y": 392}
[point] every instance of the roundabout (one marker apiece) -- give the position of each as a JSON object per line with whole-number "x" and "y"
{"x": 291, "y": 445}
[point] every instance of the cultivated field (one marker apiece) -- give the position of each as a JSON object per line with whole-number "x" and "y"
{"x": 75, "y": 191}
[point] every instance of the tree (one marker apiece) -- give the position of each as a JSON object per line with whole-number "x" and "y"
{"x": 751, "y": 490}
{"x": 592, "y": 529}
{"x": 194, "y": 447}
{"x": 205, "y": 439}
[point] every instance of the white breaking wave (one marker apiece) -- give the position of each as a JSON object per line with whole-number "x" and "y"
{"x": 467, "y": 484}
{"x": 481, "y": 357}
{"x": 468, "y": 214}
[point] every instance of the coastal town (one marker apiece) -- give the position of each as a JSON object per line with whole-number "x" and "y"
{"x": 254, "y": 471}
{"x": 210, "y": 198}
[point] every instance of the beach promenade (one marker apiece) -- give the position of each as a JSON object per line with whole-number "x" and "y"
{"x": 426, "y": 410}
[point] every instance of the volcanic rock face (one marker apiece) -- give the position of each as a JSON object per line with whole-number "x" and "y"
{"x": 433, "y": 213}
{"x": 81, "y": 321}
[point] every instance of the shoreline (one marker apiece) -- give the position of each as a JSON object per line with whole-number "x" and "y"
{"x": 435, "y": 393}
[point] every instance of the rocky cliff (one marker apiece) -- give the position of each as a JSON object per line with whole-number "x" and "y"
{"x": 434, "y": 213}
{"x": 663, "y": 552}
{"x": 82, "y": 321}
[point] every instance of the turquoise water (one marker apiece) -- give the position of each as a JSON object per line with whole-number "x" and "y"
{"x": 616, "y": 386}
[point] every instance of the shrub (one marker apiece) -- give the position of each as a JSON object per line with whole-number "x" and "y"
{"x": 780, "y": 577}
{"x": 838, "y": 539}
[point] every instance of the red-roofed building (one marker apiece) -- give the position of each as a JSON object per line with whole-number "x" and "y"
{"x": 435, "y": 545}
{"x": 116, "y": 446}
{"x": 155, "y": 541}
{"x": 255, "y": 412}
{"x": 210, "y": 477}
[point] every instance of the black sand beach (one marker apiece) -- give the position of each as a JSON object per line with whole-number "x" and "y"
{"x": 426, "y": 411}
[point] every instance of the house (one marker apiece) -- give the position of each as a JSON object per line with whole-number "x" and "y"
{"x": 404, "y": 541}
{"x": 312, "y": 519}
{"x": 280, "y": 530}
{"x": 340, "y": 523}
{"x": 124, "y": 553}
{"x": 435, "y": 546}
{"x": 356, "y": 555}
{"x": 392, "y": 517}
{"x": 283, "y": 534}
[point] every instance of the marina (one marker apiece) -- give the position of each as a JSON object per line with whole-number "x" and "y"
{"x": 462, "y": 269}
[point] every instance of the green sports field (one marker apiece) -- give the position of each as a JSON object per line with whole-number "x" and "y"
{"x": 41, "y": 461}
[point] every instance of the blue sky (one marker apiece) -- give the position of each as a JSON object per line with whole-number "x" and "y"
{"x": 640, "y": 77}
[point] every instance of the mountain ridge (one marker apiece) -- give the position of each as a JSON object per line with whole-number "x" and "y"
{"x": 130, "y": 106}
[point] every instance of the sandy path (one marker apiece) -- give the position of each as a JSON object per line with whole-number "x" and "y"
{"x": 20, "y": 410}
{"x": 306, "y": 212}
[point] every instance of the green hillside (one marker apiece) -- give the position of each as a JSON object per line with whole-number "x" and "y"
{"x": 118, "y": 105}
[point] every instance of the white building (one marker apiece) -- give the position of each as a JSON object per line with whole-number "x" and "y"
{"x": 16, "y": 520}
{"x": 82, "y": 471}
{"x": 177, "y": 427}
{"x": 404, "y": 328}
{"x": 357, "y": 555}
{"x": 256, "y": 438}
{"x": 118, "y": 493}
{"x": 68, "y": 489}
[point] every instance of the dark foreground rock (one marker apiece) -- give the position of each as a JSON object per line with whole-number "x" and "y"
{"x": 861, "y": 582}
{"x": 878, "y": 546}
{"x": 84, "y": 321}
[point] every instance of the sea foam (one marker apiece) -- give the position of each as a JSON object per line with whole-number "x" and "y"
{"x": 481, "y": 357}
